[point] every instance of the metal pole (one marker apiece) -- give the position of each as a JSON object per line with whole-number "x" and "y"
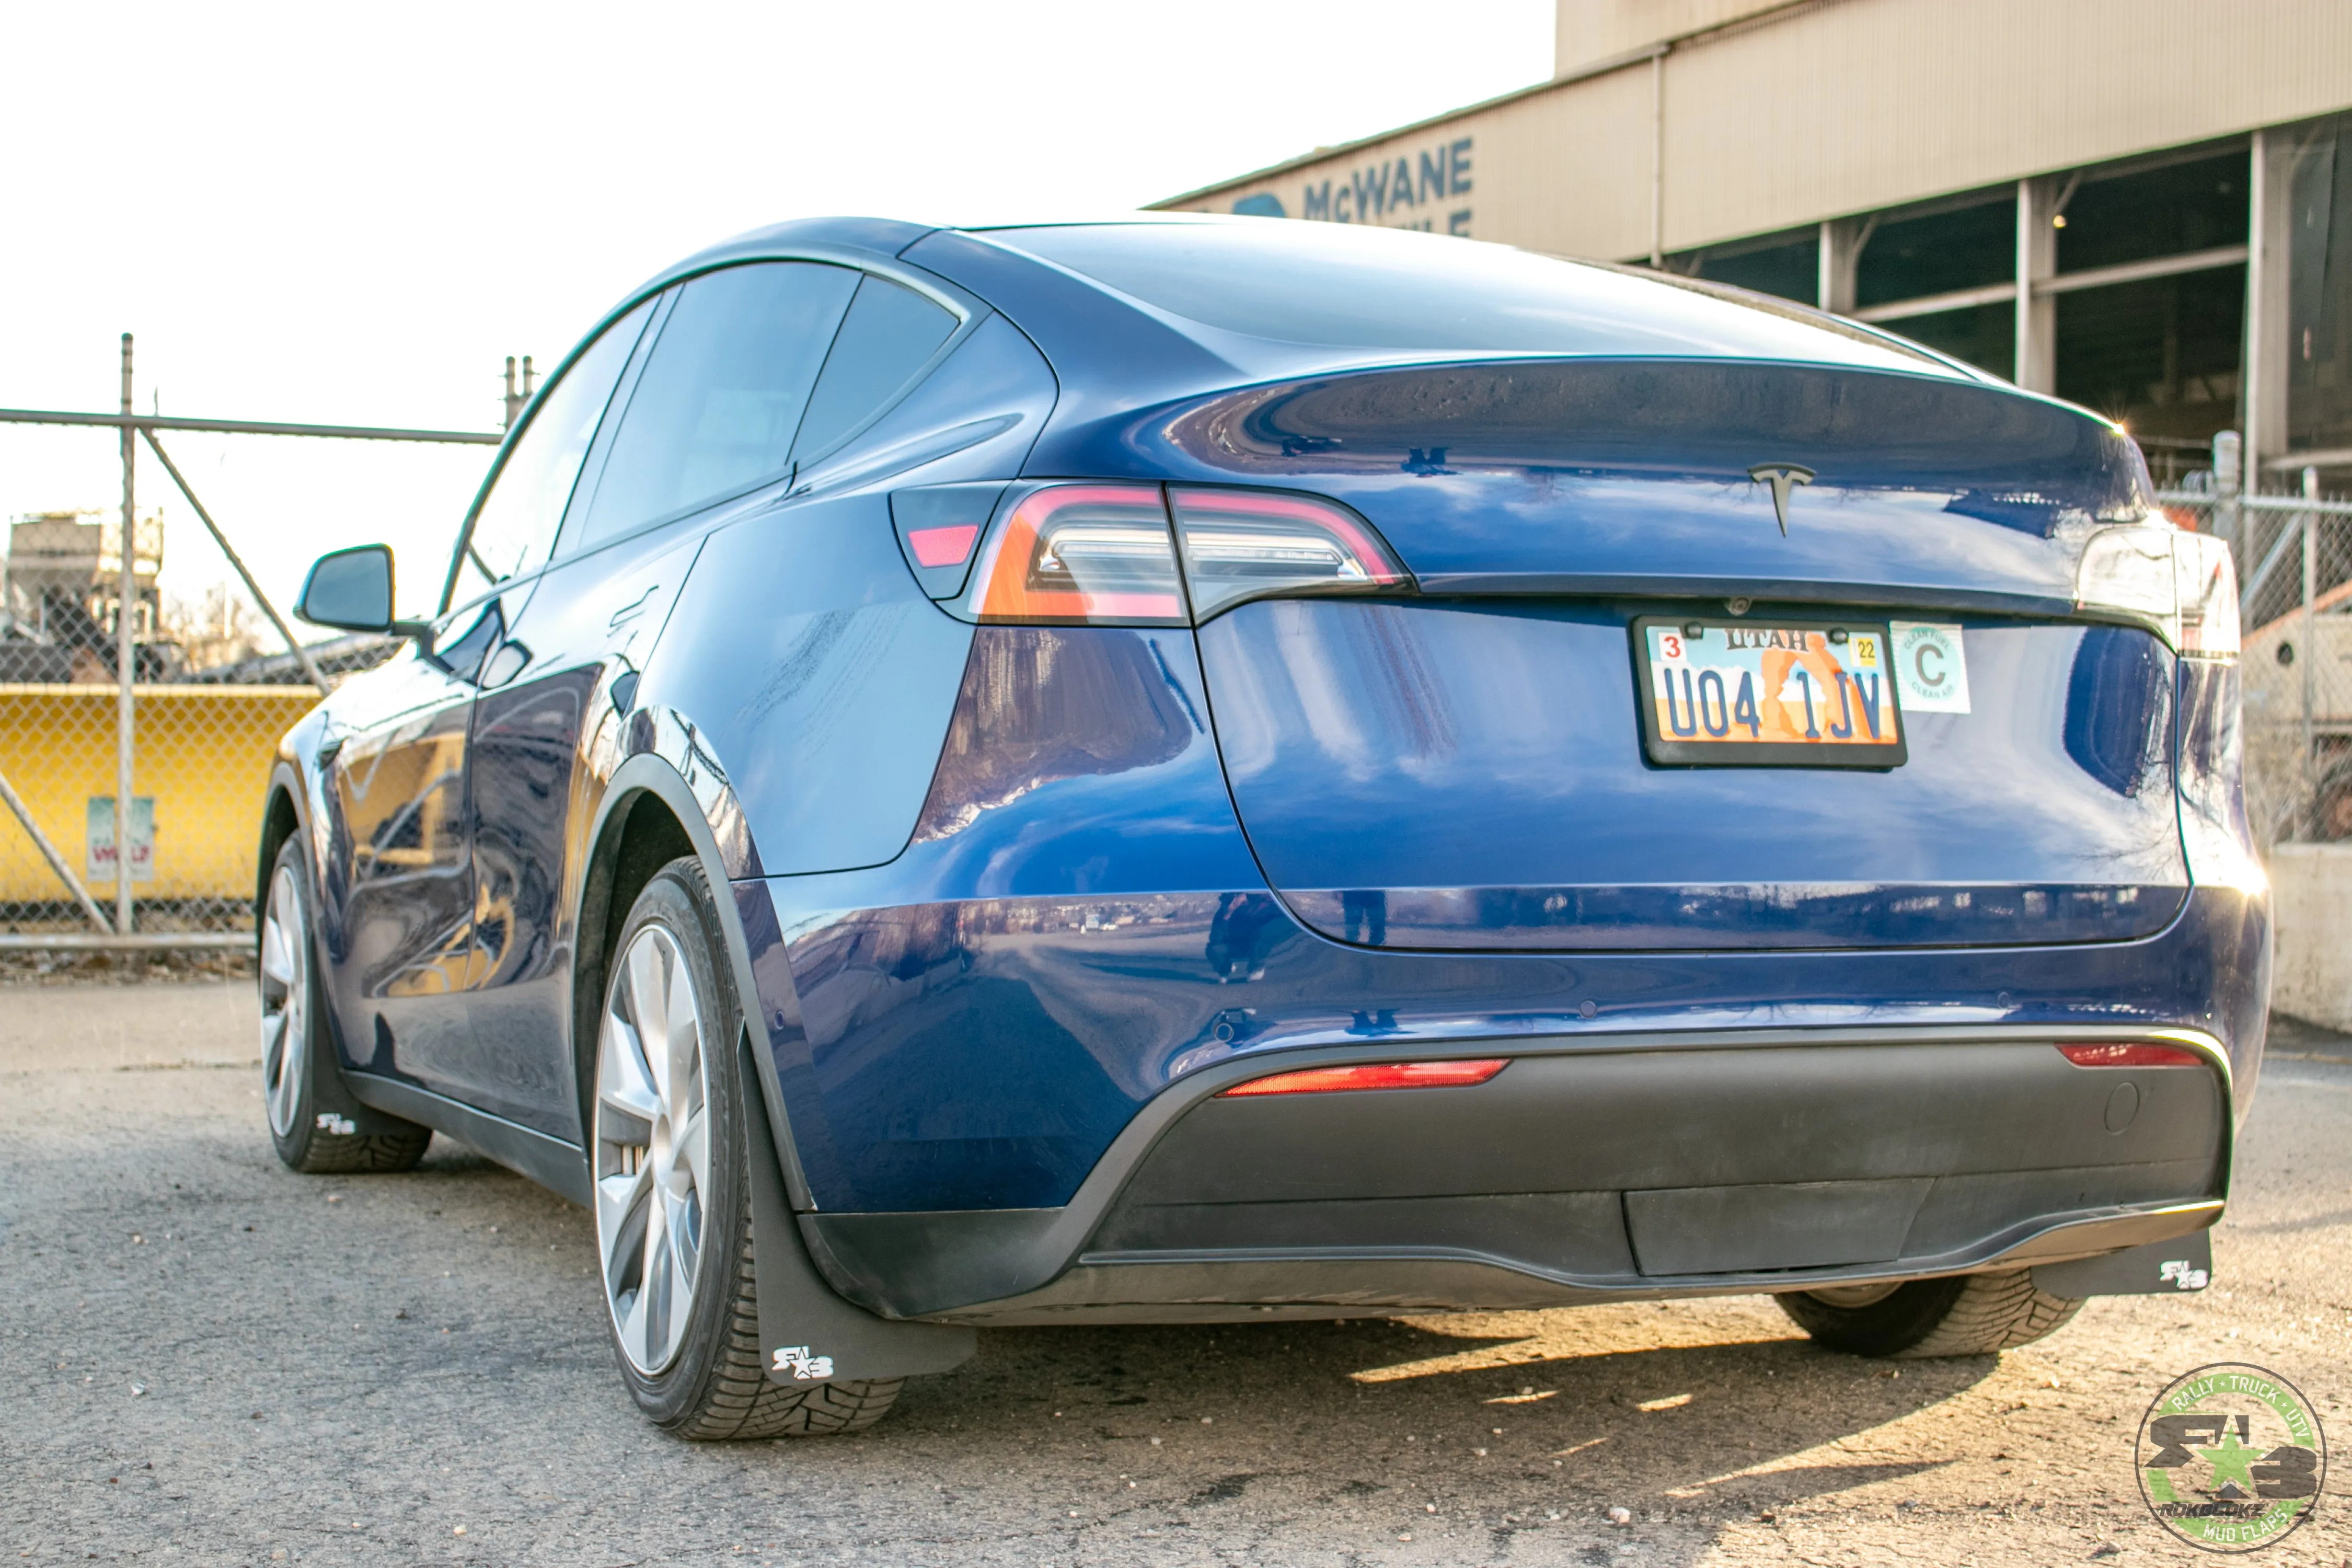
{"x": 126, "y": 662}
{"x": 24, "y": 816}
{"x": 2310, "y": 659}
{"x": 309, "y": 667}
{"x": 2227, "y": 451}
{"x": 1658, "y": 159}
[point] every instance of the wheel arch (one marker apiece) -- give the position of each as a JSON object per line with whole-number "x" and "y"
{"x": 650, "y": 816}
{"x": 282, "y": 819}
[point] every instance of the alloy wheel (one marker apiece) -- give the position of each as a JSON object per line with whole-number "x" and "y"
{"x": 285, "y": 1001}
{"x": 653, "y": 1148}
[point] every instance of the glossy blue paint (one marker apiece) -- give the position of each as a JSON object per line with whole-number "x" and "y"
{"x": 1078, "y": 790}
{"x": 983, "y": 1053}
{"x": 1458, "y": 774}
{"x": 818, "y": 673}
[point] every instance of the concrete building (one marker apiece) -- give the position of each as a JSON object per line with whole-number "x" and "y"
{"x": 60, "y": 590}
{"x": 2143, "y": 206}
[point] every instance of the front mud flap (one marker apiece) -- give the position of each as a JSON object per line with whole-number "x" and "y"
{"x": 807, "y": 1332}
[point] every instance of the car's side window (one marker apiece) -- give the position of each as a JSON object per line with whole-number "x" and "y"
{"x": 889, "y": 332}
{"x": 714, "y": 412}
{"x": 517, "y": 523}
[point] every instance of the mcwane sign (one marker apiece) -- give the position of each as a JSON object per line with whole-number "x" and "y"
{"x": 1422, "y": 190}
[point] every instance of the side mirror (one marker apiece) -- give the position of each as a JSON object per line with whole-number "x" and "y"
{"x": 350, "y": 590}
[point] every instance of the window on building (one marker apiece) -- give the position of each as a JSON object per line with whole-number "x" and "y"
{"x": 1939, "y": 253}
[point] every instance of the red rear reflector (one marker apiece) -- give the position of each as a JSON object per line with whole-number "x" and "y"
{"x": 943, "y": 546}
{"x": 2131, "y": 1056}
{"x": 1377, "y": 1074}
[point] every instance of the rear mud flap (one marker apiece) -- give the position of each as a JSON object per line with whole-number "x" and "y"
{"x": 807, "y": 1332}
{"x": 2156, "y": 1269}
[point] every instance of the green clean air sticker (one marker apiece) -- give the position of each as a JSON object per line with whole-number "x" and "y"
{"x": 1931, "y": 669}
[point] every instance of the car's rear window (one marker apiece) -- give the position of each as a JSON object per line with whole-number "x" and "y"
{"x": 1343, "y": 286}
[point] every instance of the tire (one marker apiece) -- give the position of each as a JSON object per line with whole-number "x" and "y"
{"x": 1967, "y": 1314}
{"x": 670, "y": 1163}
{"x": 314, "y": 1125}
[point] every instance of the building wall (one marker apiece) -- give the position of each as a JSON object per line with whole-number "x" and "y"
{"x": 1792, "y": 115}
{"x": 1591, "y": 31}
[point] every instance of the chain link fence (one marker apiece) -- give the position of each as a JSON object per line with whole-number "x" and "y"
{"x": 215, "y": 680}
{"x": 2293, "y": 557}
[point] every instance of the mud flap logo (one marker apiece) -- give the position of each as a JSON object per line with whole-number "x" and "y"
{"x": 805, "y": 1367}
{"x": 2182, "y": 1275}
{"x": 342, "y": 1126}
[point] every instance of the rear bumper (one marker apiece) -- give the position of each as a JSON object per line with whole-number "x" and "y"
{"x": 1665, "y": 1164}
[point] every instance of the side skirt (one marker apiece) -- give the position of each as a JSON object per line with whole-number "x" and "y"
{"x": 555, "y": 1164}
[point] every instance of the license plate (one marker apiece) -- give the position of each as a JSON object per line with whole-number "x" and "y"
{"x": 1776, "y": 693}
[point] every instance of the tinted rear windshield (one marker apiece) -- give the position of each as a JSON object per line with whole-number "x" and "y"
{"x": 1334, "y": 285}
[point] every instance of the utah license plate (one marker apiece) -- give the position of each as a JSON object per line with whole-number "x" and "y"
{"x": 1778, "y": 693}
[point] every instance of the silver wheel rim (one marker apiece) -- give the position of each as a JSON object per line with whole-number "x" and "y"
{"x": 1850, "y": 1297}
{"x": 285, "y": 1002}
{"x": 653, "y": 1148}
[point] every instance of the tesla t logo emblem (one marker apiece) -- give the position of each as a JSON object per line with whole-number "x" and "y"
{"x": 1783, "y": 478}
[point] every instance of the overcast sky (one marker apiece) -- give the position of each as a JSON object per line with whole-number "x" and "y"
{"x": 352, "y": 214}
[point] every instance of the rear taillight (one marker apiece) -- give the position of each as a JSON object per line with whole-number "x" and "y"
{"x": 2183, "y": 583}
{"x": 1105, "y": 555}
{"x": 1083, "y": 553}
{"x": 2133, "y": 1054}
{"x": 1374, "y": 1074}
{"x": 1245, "y": 544}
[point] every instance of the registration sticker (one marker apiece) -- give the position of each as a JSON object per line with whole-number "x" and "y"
{"x": 1778, "y": 693}
{"x": 1931, "y": 667}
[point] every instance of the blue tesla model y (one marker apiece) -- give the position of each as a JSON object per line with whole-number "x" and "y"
{"x": 1200, "y": 770}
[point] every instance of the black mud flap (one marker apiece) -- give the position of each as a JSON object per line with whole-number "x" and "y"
{"x": 807, "y": 1332}
{"x": 338, "y": 1109}
{"x": 2159, "y": 1268}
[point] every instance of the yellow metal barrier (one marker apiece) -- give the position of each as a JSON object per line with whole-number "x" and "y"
{"x": 203, "y": 755}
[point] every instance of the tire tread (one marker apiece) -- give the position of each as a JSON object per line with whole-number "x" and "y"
{"x": 739, "y": 1403}
{"x": 1973, "y": 1314}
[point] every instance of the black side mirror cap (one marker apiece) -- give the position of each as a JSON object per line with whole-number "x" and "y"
{"x": 352, "y": 591}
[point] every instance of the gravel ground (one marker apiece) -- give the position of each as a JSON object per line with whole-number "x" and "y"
{"x": 206, "y": 1359}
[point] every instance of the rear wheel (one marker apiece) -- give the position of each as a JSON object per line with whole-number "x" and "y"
{"x": 673, "y": 1202}
{"x": 314, "y": 1125}
{"x": 1967, "y": 1314}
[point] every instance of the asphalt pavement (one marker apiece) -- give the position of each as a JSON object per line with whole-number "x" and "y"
{"x": 204, "y": 1358}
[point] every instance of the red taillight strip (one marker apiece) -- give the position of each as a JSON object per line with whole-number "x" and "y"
{"x": 1375, "y": 1075}
{"x": 2131, "y": 1054}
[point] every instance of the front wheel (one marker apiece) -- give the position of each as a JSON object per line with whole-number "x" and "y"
{"x": 314, "y": 1125}
{"x": 1965, "y": 1315}
{"x": 673, "y": 1199}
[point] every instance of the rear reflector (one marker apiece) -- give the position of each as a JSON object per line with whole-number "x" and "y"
{"x": 942, "y": 546}
{"x": 1377, "y": 1075}
{"x": 2131, "y": 1056}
